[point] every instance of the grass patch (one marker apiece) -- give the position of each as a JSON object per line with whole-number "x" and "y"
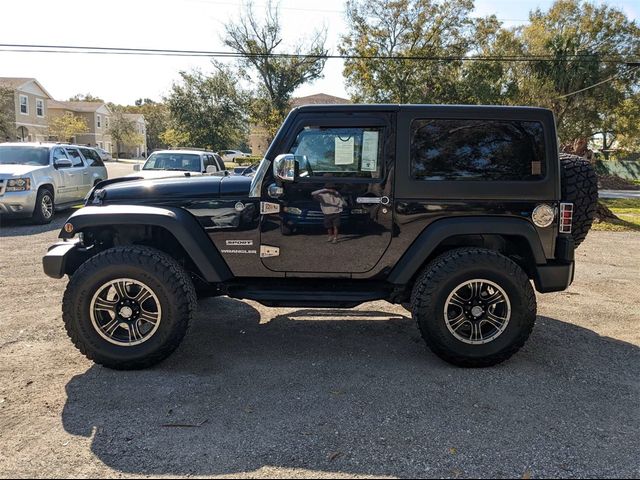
{"x": 627, "y": 209}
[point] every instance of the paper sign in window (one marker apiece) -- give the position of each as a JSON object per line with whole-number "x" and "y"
{"x": 345, "y": 151}
{"x": 369, "y": 151}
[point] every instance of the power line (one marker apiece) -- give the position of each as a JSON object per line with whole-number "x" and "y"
{"x": 72, "y": 49}
{"x": 613, "y": 77}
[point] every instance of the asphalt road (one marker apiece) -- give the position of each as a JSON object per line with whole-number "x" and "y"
{"x": 266, "y": 392}
{"x": 619, "y": 193}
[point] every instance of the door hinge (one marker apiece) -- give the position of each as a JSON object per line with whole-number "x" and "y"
{"x": 269, "y": 251}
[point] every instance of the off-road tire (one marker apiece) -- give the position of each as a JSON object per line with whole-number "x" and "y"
{"x": 39, "y": 216}
{"x": 441, "y": 277}
{"x": 166, "y": 278}
{"x": 579, "y": 186}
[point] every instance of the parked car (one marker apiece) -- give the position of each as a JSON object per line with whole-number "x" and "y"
{"x": 36, "y": 179}
{"x": 170, "y": 163}
{"x": 232, "y": 155}
{"x": 104, "y": 155}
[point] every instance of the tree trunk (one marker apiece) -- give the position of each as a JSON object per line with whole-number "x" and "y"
{"x": 604, "y": 214}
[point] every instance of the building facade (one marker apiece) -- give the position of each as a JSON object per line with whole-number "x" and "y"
{"x": 25, "y": 104}
{"x": 95, "y": 114}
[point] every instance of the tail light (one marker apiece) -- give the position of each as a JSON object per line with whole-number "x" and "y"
{"x": 566, "y": 217}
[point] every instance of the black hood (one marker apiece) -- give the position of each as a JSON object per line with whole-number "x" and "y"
{"x": 164, "y": 190}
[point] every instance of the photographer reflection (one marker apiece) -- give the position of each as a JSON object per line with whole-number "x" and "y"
{"x": 331, "y": 204}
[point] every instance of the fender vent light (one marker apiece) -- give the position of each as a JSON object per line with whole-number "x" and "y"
{"x": 566, "y": 217}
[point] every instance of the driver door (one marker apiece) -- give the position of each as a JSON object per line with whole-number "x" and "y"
{"x": 344, "y": 185}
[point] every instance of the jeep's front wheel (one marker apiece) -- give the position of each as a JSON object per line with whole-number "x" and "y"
{"x": 128, "y": 307}
{"x": 474, "y": 307}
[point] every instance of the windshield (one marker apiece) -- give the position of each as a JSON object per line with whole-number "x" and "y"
{"x": 24, "y": 155}
{"x": 173, "y": 161}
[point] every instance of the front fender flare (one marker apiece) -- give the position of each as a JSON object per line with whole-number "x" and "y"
{"x": 440, "y": 230}
{"x": 180, "y": 223}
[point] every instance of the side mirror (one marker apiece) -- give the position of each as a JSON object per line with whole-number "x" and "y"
{"x": 211, "y": 169}
{"x": 286, "y": 167}
{"x": 62, "y": 163}
{"x": 137, "y": 167}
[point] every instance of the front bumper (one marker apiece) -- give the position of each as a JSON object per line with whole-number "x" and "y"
{"x": 18, "y": 204}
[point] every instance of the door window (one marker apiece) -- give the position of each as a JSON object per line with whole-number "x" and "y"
{"x": 75, "y": 157}
{"x": 58, "y": 154}
{"x": 339, "y": 152}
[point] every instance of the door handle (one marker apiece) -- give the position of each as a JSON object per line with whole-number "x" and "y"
{"x": 382, "y": 200}
{"x": 85, "y": 173}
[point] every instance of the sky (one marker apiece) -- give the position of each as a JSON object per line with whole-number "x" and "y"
{"x": 174, "y": 24}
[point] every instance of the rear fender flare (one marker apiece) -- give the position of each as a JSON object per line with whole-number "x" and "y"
{"x": 439, "y": 231}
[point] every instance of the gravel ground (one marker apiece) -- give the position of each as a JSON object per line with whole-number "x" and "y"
{"x": 266, "y": 392}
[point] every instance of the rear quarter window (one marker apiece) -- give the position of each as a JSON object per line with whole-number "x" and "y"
{"x": 481, "y": 150}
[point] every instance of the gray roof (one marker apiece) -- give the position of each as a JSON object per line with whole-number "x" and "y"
{"x": 318, "y": 99}
{"x": 76, "y": 106}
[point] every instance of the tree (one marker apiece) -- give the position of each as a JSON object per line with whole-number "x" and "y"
{"x": 278, "y": 77}
{"x": 406, "y": 28}
{"x": 174, "y": 138}
{"x": 156, "y": 116}
{"x": 7, "y": 113}
{"x": 122, "y": 130}
{"x": 210, "y": 108}
{"x": 581, "y": 38}
{"x": 575, "y": 73}
{"x": 85, "y": 97}
{"x": 65, "y": 127}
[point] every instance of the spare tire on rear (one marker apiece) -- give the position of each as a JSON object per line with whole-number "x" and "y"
{"x": 580, "y": 187}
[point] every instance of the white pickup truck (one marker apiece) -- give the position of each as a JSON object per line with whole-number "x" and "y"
{"x": 171, "y": 163}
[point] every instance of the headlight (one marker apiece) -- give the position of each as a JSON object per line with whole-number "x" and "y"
{"x": 18, "y": 184}
{"x": 294, "y": 210}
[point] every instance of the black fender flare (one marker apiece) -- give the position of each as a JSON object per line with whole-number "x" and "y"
{"x": 180, "y": 223}
{"x": 440, "y": 230}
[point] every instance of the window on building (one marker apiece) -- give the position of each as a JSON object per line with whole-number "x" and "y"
{"x": 39, "y": 107}
{"x": 459, "y": 149}
{"x": 99, "y": 121}
{"x": 24, "y": 104}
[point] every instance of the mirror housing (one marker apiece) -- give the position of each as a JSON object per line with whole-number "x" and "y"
{"x": 62, "y": 163}
{"x": 212, "y": 169}
{"x": 137, "y": 167}
{"x": 286, "y": 167}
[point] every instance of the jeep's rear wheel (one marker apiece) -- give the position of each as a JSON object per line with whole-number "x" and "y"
{"x": 128, "y": 307}
{"x": 474, "y": 307}
{"x": 579, "y": 186}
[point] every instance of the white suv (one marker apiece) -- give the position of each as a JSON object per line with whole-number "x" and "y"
{"x": 36, "y": 179}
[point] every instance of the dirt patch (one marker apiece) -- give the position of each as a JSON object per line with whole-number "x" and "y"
{"x": 271, "y": 392}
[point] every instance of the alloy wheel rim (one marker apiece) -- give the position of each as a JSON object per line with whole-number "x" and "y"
{"x": 477, "y": 311}
{"x": 125, "y": 312}
{"x": 47, "y": 206}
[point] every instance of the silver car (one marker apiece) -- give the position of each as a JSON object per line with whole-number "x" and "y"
{"x": 36, "y": 179}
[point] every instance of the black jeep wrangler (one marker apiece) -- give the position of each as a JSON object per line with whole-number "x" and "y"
{"x": 448, "y": 210}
